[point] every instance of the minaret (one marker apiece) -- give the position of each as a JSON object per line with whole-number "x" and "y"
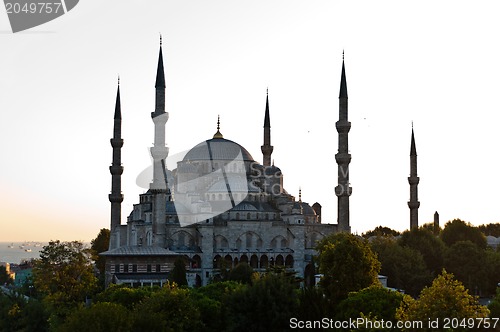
{"x": 159, "y": 152}
{"x": 413, "y": 180}
{"x": 343, "y": 158}
{"x": 267, "y": 148}
{"x": 116, "y": 170}
{"x": 436, "y": 223}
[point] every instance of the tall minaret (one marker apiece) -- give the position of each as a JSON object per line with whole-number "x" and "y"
{"x": 159, "y": 152}
{"x": 343, "y": 158}
{"x": 267, "y": 148}
{"x": 413, "y": 180}
{"x": 116, "y": 170}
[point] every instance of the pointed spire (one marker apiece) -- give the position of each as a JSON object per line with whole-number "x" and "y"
{"x": 218, "y": 134}
{"x": 160, "y": 74}
{"x": 267, "y": 122}
{"x": 118, "y": 110}
{"x": 343, "y": 82}
{"x": 413, "y": 149}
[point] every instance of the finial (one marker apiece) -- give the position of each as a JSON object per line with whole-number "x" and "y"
{"x": 160, "y": 39}
{"x": 267, "y": 91}
{"x": 300, "y": 195}
{"x": 342, "y": 55}
{"x": 118, "y": 79}
{"x": 218, "y": 134}
{"x": 411, "y": 124}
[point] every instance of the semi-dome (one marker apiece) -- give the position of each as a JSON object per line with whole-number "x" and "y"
{"x": 218, "y": 149}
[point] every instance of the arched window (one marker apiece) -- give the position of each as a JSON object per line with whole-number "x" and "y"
{"x": 254, "y": 262}
{"x": 264, "y": 262}
{"x": 181, "y": 239}
{"x": 249, "y": 240}
{"x": 237, "y": 216}
{"x": 248, "y": 216}
{"x": 289, "y": 261}
{"x": 279, "y": 260}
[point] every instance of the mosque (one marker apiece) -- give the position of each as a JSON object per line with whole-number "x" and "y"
{"x": 220, "y": 207}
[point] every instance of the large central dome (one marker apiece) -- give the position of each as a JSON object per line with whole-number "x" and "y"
{"x": 217, "y": 149}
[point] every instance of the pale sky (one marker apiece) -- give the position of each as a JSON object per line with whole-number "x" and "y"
{"x": 435, "y": 63}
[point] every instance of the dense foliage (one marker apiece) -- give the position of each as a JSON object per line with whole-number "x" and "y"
{"x": 445, "y": 298}
{"x": 63, "y": 293}
{"x": 347, "y": 264}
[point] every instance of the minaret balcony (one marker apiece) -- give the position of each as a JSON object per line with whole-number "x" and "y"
{"x": 343, "y": 190}
{"x": 343, "y": 158}
{"x": 116, "y": 169}
{"x": 343, "y": 126}
{"x": 413, "y": 180}
{"x": 116, "y": 142}
{"x": 413, "y": 205}
{"x": 115, "y": 198}
{"x": 159, "y": 118}
{"x": 159, "y": 152}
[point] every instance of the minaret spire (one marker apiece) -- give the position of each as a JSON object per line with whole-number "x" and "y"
{"x": 159, "y": 152}
{"x": 218, "y": 134}
{"x": 343, "y": 157}
{"x": 413, "y": 180}
{"x": 267, "y": 148}
{"x": 116, "y": 170}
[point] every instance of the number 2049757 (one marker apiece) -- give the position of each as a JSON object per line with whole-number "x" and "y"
{"x": 33, "y": 7}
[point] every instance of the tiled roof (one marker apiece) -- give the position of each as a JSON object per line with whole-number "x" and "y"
{"x": 139, "y": 251}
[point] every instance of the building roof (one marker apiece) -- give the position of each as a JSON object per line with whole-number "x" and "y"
{"x": 139, "y": 251}
{"x": 218, "y": 149}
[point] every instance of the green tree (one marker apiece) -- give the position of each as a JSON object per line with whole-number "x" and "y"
{"x": 211, "y": 302}
{"x": 18, "y": 314}
{"x": 169, "y": 309}
{"x": 375, "y": 302}
{"x": 492, "y": 229}
{"x": 102, "y": 316}
{"x": 242, "y": 273}
{"x": 266, "y": 305}
{"x": 492, "y": 267}
{"x": 467, "y": 262}
{"x": 425, "y": 242}
{"x": 98, "y": 245}
{"x": 124, "y": 295}
{"x": 178, "y": 274}
{"x": 494, "y": 305}
{"x": 381, "y": 231}
{"x": 458, "y": 230}
{"x": 64, "y": 276}
{"x": 313, "y": 304}
{"x": 347, "y": 263}
{"x": 404, "y": 267}
{"x": 445, "y": 298}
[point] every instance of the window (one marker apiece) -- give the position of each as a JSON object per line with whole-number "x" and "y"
{"x": 134, "y": 268}
{"x": 149, "y": 268}
{"x": 117, "y": 268}
{"x": 158, "y": 268}
{"x": 125, "y": 268}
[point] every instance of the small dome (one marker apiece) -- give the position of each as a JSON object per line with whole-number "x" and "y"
{"x": 244, "y": 206}
{"x": 271, "y": 170}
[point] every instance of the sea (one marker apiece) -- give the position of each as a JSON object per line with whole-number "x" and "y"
{"x": 15, "y": 252}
